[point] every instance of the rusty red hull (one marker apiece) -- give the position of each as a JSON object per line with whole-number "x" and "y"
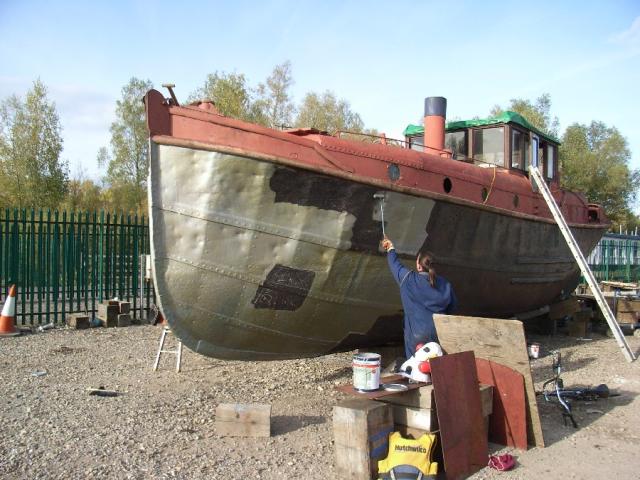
{"x": 266, "y": 243}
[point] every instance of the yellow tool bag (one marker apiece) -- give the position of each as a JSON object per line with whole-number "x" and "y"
{"x": 409, "y": 459}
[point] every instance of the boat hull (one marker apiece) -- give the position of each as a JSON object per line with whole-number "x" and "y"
{"x": 259, "y": 260}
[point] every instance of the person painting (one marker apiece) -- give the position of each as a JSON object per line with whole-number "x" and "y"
{"x": 423, "y": 293}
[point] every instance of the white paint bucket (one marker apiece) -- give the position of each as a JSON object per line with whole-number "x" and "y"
{"x": 534, "y": 350}
{"x": 366, "y": 372}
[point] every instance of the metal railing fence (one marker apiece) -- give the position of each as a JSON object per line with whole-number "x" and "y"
{"x": 616, "y": 258}
{"x": 64, "y": 262}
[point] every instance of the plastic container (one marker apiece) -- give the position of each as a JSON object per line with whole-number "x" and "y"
{"x": 366, "y": 372}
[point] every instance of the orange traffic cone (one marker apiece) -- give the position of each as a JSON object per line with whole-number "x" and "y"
{"x": 8, "y": 317}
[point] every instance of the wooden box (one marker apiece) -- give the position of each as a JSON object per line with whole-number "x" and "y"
{"x": 243, "y": 420}
{"x": 361, "y": 429}
{"x": 77, "y": 320}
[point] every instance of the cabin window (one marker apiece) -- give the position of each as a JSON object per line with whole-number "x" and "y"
{"x": 551, "y": 160}
{"x": 519, "y": 149}
{"x": 416, "y": 143}
{"x": 488, "y": 145}
{"x": 457, "y": 143}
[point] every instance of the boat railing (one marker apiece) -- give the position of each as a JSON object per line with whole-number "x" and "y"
{"x": 381, "y": 139}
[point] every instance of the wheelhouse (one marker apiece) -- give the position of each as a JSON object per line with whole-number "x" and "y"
{"x": 506, "y": 141}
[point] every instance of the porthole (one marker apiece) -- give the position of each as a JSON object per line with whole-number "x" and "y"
{"x": 484, "y": 194}
{"x": 446, "y": 185}
{"x": 516, "y": 201}
{"x": 394, "y": 172}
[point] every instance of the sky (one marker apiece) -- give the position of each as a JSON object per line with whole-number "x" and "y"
{"x": 382, "y": 57}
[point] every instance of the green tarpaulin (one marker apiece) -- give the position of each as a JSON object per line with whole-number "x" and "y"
{"x": 504, "y": 117}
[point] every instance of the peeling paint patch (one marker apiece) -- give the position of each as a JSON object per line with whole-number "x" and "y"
{"x": 284, "y": 288}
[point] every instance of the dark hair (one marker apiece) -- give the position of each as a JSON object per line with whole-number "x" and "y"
{"x": 425, "y": 259}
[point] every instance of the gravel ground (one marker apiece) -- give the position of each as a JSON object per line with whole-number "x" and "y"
{"x": 162, "y": 423}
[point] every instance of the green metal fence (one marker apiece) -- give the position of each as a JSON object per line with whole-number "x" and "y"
{"x": 616, "y": 258}
{"x": 63, "y": 262}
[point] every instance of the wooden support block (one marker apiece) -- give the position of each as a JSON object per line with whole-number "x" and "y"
{"x": 628, "y": 305}
{"x": 124, "y": 320}
{"x": 243, "y": 420}
{"x": 627, "y": 317}
{"x": 77, "y": 320}
{"x": 421, "y": 418}
{"x": 108, "y": 312}
{"x": 125, "y": 307}
{"x": 564, "y": 308}
{"x": 361, "y": 431}
{"x": 419, "y": 398}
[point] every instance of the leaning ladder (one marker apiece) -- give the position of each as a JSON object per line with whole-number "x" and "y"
{"x": 176, "y": 351}
{"x": 582, "y": 262}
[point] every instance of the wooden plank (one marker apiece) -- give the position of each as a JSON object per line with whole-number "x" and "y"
{"x": 380, "y": 392}
{"x": 501, "y": 341}
{"x": 462, "y": 432}
{"x": 508, "y": 422}
{"x": 243, "y": 420}
{"x": 361, "y": 429}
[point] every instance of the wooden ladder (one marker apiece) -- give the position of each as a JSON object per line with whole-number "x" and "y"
{"x": 582, "y": 262}
{"x": 177, "y": 351}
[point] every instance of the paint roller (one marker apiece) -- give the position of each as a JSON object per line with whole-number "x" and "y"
{"x": 381, "y": 196}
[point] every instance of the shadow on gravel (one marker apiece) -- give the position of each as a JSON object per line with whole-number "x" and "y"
{"x": 338, "y": 374}
{"x": 281, "y": 424}
{"x": 585, "y": 413}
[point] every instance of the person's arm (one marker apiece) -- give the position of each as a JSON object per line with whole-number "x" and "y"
{"x": 453, "y": 304}
{"x": 398, "y": 270}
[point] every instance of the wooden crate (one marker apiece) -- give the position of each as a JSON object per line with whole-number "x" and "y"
{"x": 243, "y": 420}
{"x": 361, "y": 431}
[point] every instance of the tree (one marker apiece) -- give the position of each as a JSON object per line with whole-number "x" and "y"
{"x": 230, "y": 93}
{"x": 595, "y": 160}
{"x": 537, "y": 113}
{"x": 328, "y": 113}
{"x": 128, "y": 161}
{"x": 274, "y": 102}
{"x": 84, "y": 194}
{"x": 32, "y": 174}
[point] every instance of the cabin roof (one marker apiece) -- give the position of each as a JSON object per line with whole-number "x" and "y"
{"x": 504, "y": 117}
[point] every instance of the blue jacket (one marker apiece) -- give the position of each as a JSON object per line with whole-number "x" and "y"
{"x": 420, "y": 301}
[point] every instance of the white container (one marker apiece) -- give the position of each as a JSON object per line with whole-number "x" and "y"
{"x": 366, "y": 372}
{"x": 534, "y": 350}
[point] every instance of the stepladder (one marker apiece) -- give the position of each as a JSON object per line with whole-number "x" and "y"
{"x": 539, "y": 182}
{"x": 177, "y": 350}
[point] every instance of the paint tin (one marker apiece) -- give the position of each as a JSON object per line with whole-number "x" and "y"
{"x": 534, "y": 350}
{"x": 366, "y": 372}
